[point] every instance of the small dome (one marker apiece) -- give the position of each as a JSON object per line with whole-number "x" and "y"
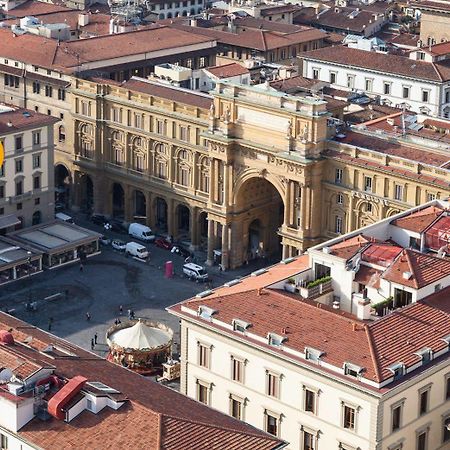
{"x": 6, "y": 337}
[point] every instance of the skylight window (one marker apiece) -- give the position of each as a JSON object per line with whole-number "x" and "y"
{"x": 425, "y": 354}
{"x": 102, "y": 387}
{"x": 398, "y": 370}
{"x": 311, "y": 354}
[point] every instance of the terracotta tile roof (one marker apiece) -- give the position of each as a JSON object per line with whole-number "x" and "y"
{"x": 228, "y": 70}
{"x": 406, "y": 39}
{"x": 430, "y": 5}
{"x": 419, "y": 221}
{"x": 22, "y": 119}
{"x": 280, "y": 9}
{"x": 424, "y": 269}
{"x": 269, "y": 25}
{"x": 380, "y": 62}
{"x": 381, "y": 253}
{"x": 368, "y": 277}
{"x": 21, "y": 367}
{"x": 348, "y": 248}
{"x": 153, "y": 418}
{"x": 395, "y": 149}
{"x": 440, "y": 124}
{"x": 374, "y": 346}
{"x": 36, "y": 8}
{"x": 169, "y": 92}
{"x": 293, "y": 83}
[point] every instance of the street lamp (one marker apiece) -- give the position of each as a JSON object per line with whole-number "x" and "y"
{"x": 29, "y": 275}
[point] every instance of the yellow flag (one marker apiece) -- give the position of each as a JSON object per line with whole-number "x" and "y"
{"x": 2, "y": 153}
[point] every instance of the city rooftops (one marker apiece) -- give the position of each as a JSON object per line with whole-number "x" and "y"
{"x": 13, "y": 119}
{"x": 126, "y": 409}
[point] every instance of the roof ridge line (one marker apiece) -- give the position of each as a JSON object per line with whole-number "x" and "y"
{"x": 372, "y": 352}
{"x": 434, "y": 221}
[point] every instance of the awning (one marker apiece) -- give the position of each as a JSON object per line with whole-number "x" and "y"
{"x": 8, "y": 221}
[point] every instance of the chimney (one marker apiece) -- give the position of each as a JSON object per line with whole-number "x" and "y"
{"x": 259, "y": 291}
{"x": 362, "y": 310}
{"x": 354, "y": 328}
{"x": 83, "y": 19}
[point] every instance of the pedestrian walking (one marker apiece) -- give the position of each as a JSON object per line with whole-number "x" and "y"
{"x": 95, "y": 338}
{"x": 81, "y": 267}
{"x": 121, "y": 309}
{"x": 88, "y": 316}
{"x": 116, "y": 322}
{"x": 129, "y": 314}
{"x": 132, "y": 314}
{"x": 92, "y": 344}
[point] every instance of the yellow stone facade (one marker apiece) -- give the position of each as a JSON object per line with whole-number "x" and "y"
{"x": 240, "y": 177}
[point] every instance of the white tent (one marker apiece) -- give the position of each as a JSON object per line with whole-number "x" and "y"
{"x": 140, "y": 336}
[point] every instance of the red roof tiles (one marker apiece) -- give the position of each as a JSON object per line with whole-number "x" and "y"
{"x": 21, "y": 119}
{"x": 228, "y": 70}
{"x": 419, "y": 221}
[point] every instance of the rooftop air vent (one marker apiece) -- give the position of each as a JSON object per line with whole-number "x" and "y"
{"x": 275, "y": 339}
{"x": 232, "y": 282}
{"x": 240, "y": 325}
{"x": 204, "y": 293}
{"x": 205, "y": 312}
{"x": 259, "y": 272}
{"x": 313, "y": 354}
{"x": 287, "y": 260}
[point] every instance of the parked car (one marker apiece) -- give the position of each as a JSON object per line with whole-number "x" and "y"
{"x": 99, "y": 219}
{"x": 181, "y": 250}
{"x": 138, "y": 250}
{"x": 163, "y": 243}
{"x": 118, "y": 225}
{"x": 104, "y": 240}
{"x": 119, "y": 245}
{"x": 195, "y": 272}
{"x": 142, "y": 232}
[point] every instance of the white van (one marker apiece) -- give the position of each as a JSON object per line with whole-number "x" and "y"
{"x": 63, "y": 217}
{"x": 195, "y": 272}
{"x": 141, "y": 232}
{"x": 135, "y": 249}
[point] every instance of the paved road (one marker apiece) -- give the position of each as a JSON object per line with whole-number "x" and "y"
{"x": 107, "y": 281}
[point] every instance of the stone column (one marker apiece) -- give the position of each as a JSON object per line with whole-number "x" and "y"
{"x": 293, "y": 203}
{"x": 211, "y": 242}
{"x": 195, "y": 234}
{"x": 285, "y": 251}
{"x": 212, "y": 181}
{"x": 149, "y": 213}
{"x": 287, "y": 205}
{"x": 226, "y": 184}
{"x": 171, "y": 218}
{"x": 351, "y": 224}
{"x": 128, "y": 204}
{"x": 302, "y": 207}
{"x": 226, "y": 229}
{"x": 216, "y": 181}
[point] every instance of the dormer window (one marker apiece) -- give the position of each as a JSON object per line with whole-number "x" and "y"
{"x": 275, "y": 339}
{"x": 240, "y": 325}
{"x": 352, "y": 370}
{"x": 398, "y": 370}
{"x": 446, "y": 339}
{"x": 311, "y": 354}
{"x": 205, "y": 312}
{"x": 425, "y": 354}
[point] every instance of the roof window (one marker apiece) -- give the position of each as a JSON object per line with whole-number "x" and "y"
{"x": 256, "y": 273}
{"x": 240, "y": 325}
{"x": 102, "y": 387}
{"x": 312, "y": 354}
{"x": 425, "y": 354}
{"x": 205, "y": 312}
{"x": 352, "y": 369}
{"x": 275, "y": 339}
{"x": 398, "y": 370}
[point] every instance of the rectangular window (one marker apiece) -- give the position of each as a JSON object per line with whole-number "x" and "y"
{"x": 446, "y": 434}
{"x": 425, "y": 96}
{"x": 160, "y": 128}
{"x": 308, "y": 441}
{"x": 422, "y": 440}
{"x": 3, "y": 442}
{"x": 202, "y": 393}
{"x": 310, "y": 401}
{"x": 333, "y": 77}
{"x": 19, "y": 206}
{"x": 36, "y": 87}
{"x": 184, "y": 134}
{"x": 19, "y": 188}
{"x": 138, "y": 120}
{"x": 2, "y": 191}
{"x": 273, "y": 385}
{"x": 48, "y": 91}
{"x": 423, "y": 402}
{"x": 315, "y": 74}
{"x": 368, "y": 84}
{"x": 340, "y": 199}
{"x": 349, "y": 417}
{"x": 235, "y": 408}
{"x": 18, "y": 141}
{"x": 237, "y": 370}
{"x": 202, "y": 62}
{"x": 203, "y": 355}
{"x": 37, "y": 182}
{"x": 398, "y": 192}
{"x": 37, "y": 138}
{"x": 396, "y": 417}
{"x": 447, "y": 388}
{"x": 431, "y": 197}
{"x": 271, "y": 424}
{"x": 338, "y": 224}
{"x": 19, "y": 165}
{"x": 405, "y": 91}
{"x": 387, "y": 88}
{"x": 368, "y": 184}
{"x": 61, "y": 94}
{"x": 338, "y": 177}
{"x": 350, "y": 81}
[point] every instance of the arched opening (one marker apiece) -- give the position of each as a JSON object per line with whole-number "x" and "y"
{"x": 86, "y": 193}
{"x": 118, "y": 206}
{"x": 61, "y": 133}
{"x": 203, "y": 222}
{"x": 62, "y": 187}
{"x": 161, "y": 214}
{"x": 261, "y": 212}
{"x": 140, "y": 209}
{"x": 183, "y": 214}
{"x": 162, "y": 16}
{"x": 37, "y": 218}
{"x": 169, "y": 15}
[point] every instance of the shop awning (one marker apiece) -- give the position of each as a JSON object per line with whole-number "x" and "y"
{"x": 8, "y": 221}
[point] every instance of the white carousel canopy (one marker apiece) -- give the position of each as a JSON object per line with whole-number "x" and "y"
{"x": 140, "y": 336}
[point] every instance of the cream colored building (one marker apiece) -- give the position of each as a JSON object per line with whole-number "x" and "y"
{"x": 26, "y": 176}
{"x": 283, "y": 350}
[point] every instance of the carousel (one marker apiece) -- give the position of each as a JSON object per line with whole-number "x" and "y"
{"x": 142, "y": 345}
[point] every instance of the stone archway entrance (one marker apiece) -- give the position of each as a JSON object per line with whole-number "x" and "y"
{"x": 118, "y": 200}
{"x": 161, "y": 213}
{"x": 184, "y": 219}
{"x": 86, "y": 193}
{"x": 260, "y": 214}
{"x": 63, "y": 182}
{"x": 140, "y": 206}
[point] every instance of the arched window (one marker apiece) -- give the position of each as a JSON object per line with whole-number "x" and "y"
{"x": 37, "y": 218}
{"x": 61, "y": 133}
{"x": 204, "y": 167}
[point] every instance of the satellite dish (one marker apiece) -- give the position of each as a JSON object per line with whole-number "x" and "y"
{"x": 5, "y": 375}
